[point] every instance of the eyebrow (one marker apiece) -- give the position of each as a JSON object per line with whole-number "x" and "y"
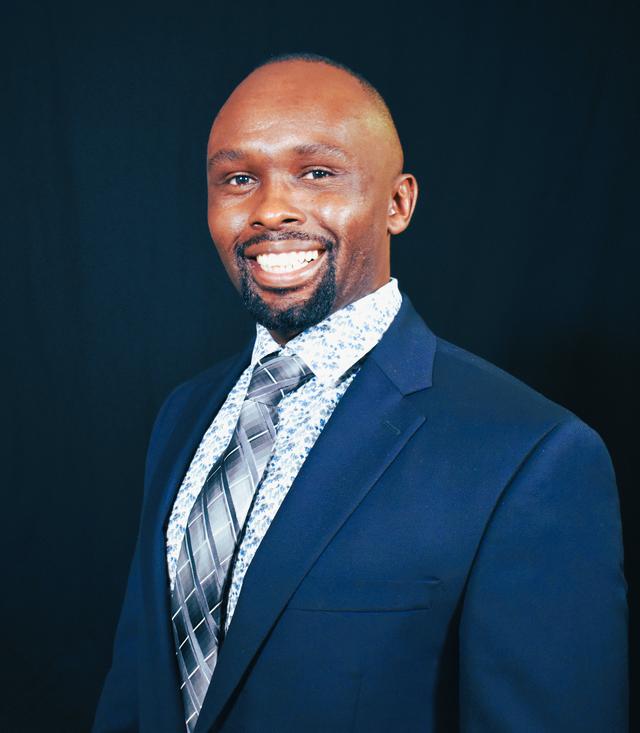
{"x": 225, "y": 154}
{"x": 320, "y": 148}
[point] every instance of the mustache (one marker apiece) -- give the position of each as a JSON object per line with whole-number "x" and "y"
{"x": 328, "y": 242}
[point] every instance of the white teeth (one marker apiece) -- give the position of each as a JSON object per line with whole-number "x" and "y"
{"x": 286, "y": 261}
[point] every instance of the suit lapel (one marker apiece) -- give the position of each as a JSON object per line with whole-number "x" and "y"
{"x": 161, "y": 679}
{"x": 338, "y": 473}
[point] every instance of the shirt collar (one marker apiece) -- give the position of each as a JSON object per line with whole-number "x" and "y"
{"x": 334, "y": 345}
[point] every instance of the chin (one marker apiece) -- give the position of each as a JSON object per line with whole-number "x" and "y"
{"x": 294, "y": 318}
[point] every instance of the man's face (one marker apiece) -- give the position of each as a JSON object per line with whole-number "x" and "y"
{"x": 299, "y": 192}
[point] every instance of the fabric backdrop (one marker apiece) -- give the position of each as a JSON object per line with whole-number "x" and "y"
{"x": 519, "y": 119}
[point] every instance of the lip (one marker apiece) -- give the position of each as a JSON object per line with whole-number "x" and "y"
{"x": 285, "y": 280}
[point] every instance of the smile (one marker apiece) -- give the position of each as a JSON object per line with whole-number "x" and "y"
{"x": 286, "y": 261}
{"x": 291, "y": 269}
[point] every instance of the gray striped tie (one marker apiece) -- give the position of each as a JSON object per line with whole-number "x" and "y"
{"x": 215, "y": 524}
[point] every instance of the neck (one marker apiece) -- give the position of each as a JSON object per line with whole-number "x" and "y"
{"x": 282, "y": 338}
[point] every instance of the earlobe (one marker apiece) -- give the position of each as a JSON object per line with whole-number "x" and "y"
{"x": 404, "y": 196}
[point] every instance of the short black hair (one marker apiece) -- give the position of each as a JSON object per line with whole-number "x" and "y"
{"x": 316, "y": 58}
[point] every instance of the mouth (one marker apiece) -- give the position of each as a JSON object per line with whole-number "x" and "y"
{"x": 277, "y": 269}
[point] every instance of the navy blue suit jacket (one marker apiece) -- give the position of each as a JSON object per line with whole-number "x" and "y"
{"x": 449, "y": 557}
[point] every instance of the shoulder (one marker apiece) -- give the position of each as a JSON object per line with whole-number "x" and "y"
{"x": 470, "y": 383}
{"x": 478, "y": 403}
{"x": 200, "y": 383}
{"x": 456, "y": 385}
{"x": 511, "y": 453}
{"x": 186, "y": 396}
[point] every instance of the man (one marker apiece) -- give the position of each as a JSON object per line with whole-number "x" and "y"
{"x": 354, "y": 525}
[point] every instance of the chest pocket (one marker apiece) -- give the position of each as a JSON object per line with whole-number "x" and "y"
{"x": 341, "y": 594}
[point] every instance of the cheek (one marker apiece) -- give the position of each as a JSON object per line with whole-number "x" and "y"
{"x": 337, "y": 215}
{"x": 225, "y": 223}
{"x": 346, "y": 215}
{"x": 224, "y": 227}
{"x": 358, "y": 224}
{"x": 364, "y": 245}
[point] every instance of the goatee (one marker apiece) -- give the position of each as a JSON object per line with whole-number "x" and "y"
{"x": 291, "y": 321}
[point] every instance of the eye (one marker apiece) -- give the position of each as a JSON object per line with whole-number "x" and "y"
{"x": 317, "y": 173}
{"x": 240, "y": 179}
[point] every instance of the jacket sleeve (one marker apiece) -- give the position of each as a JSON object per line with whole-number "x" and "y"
{"x": 117, "y": 710}
{"x": 543, "y": 629}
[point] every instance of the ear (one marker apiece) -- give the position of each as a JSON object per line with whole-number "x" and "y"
{"x": 404, "y": 195}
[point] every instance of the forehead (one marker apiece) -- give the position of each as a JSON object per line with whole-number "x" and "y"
{"x": 283, "y": 108}
{"x": 297, "y": 134}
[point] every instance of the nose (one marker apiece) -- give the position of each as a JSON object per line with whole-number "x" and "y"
{"x": 274, "y": 208}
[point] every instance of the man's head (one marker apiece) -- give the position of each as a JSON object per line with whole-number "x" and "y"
{"x": 305, "y": 187}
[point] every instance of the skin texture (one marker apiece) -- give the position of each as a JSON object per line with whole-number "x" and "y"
{"x": 303, "y": 157}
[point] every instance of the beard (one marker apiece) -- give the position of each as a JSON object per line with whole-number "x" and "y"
{"x": 295, "y": 318}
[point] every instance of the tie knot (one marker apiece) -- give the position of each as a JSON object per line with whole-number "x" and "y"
{"x": 275, "y": 376}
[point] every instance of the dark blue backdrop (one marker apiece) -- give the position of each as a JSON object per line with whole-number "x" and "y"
{"x": 521, "y": 123}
